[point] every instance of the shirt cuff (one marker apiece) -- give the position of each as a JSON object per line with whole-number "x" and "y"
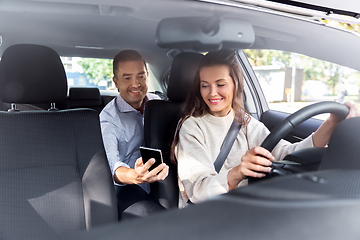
{"x": 307, "y": 142}
{"x": 219, "y": 184}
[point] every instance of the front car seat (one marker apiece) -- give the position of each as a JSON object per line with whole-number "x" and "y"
{"x": 54, "y": 175}
{"x": 161, "y": 118}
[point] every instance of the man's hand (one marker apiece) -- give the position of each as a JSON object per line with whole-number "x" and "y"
{"x": 140, "y": 173}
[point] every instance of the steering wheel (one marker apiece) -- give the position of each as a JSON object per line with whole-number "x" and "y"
{"x": 289, "y": 123}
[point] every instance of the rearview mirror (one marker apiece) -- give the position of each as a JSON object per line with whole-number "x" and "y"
{"x": 204, "y": 34}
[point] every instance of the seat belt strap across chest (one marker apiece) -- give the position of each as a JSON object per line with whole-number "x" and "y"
{"x": 227, "y": 145}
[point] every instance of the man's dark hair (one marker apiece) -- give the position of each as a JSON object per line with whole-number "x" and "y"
{"x": 126, "y": 56}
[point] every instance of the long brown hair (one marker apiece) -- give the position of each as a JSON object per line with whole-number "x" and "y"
{"x": 195, "y": 105}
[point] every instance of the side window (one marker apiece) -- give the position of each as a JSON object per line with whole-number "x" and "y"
{"x": 291, "y": 81}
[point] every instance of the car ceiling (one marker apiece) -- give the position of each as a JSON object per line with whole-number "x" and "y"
{"x": 101, "y": 28}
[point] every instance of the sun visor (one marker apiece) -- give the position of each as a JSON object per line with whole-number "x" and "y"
{"x": 204, "y": 34}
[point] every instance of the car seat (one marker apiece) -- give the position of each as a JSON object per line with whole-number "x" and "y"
{"x": 161, "y": 118}
{"x": 54, "y": 175}
{"x": 85, "y": 98}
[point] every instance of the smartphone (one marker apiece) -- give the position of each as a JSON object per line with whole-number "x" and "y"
{"x": 147, "y": 153}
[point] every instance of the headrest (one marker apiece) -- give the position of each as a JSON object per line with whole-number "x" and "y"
{"x": 182, "y": 74}
{"x": 85, "y": 97}
{"x": 79, "y": 93}
{"x": 32, "y": 74}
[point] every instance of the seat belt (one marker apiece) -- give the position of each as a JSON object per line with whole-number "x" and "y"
{"x": 227, "y": 145}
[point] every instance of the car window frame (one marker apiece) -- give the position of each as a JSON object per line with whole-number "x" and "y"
{"x": 255, "y": 101}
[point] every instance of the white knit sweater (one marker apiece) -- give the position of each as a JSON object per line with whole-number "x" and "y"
{"x": 199, "y": 145}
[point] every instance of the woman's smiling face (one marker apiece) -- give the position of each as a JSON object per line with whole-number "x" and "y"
{"x": 217, "y": 89}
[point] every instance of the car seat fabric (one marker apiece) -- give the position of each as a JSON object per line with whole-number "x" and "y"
{"x": 161, "y": 118}
{"x": 54, "y": 175}
{"x": 85, "y": 98}
{"x": 340, "y": 143}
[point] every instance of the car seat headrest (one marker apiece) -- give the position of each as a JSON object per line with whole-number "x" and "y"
{"x": 32, "y": 74}
{"x": 80, "y": 93}
{"x": 85, "y": 97}
{"x": 182, "y": 74}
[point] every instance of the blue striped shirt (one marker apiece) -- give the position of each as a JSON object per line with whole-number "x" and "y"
{"x": 122, "y": 129}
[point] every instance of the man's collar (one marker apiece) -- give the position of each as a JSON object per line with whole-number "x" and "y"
{"x": 123, "y": 106}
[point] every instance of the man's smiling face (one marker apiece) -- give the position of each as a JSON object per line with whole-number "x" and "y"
{"x": 131, "y": 80}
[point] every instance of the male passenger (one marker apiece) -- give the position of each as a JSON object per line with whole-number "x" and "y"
{"x": 122, "y": 126}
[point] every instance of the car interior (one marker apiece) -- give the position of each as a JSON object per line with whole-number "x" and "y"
{"x": 55, "y": 182}
{"x": 50, "y": 183}
{"x": 85, "y": 98}
{"x": 161, "y": 118}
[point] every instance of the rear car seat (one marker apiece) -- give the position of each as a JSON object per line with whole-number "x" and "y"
{"x": 54, "y": 176}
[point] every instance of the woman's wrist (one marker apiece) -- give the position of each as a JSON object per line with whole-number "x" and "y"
{"x": 333, "y": 120}
{"x": 234, "y": 177}
{"x": 322, "y": 136}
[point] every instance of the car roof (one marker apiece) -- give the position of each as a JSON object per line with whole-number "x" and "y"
{"x": 100, "y": 29}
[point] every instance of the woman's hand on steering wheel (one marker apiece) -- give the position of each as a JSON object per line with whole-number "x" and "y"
{"x": 354, "y": 110}
{"x": 255, "y": 163}
{"x": 322, "y": 136}
{"x": 288, "y": 124}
